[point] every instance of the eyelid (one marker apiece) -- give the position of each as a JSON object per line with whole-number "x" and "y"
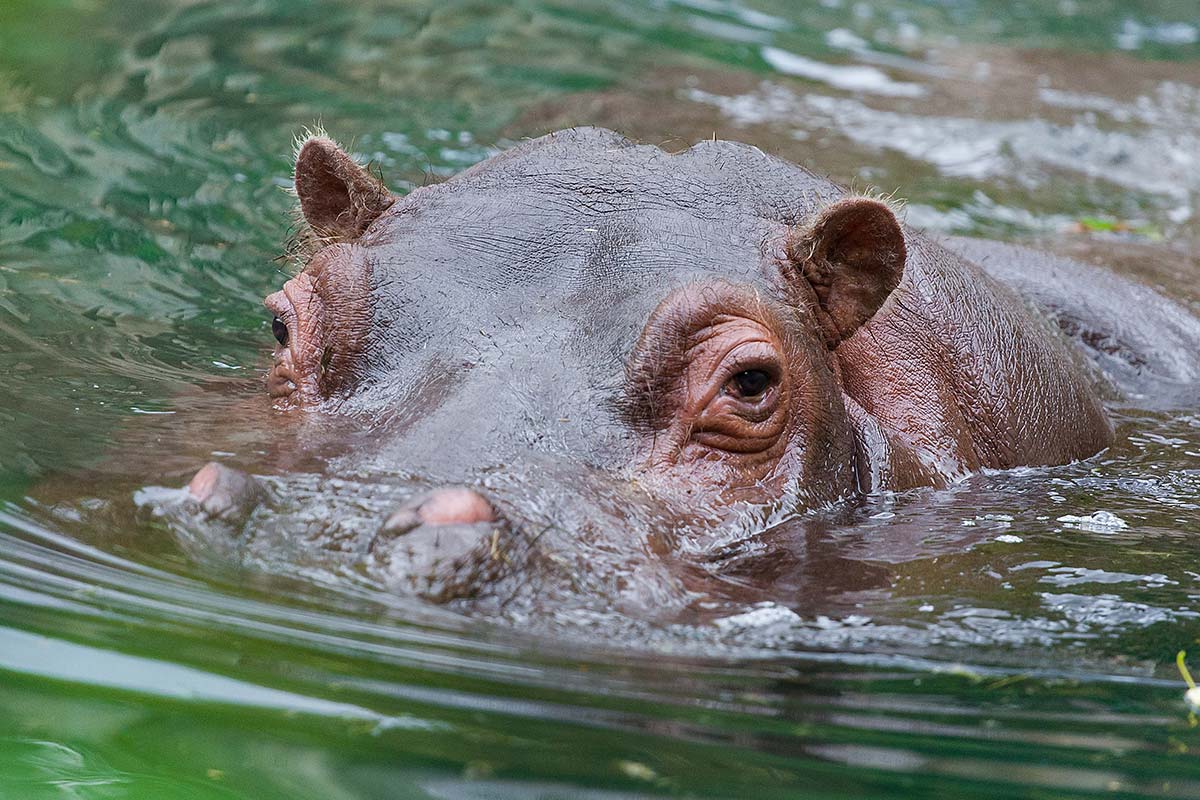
{"x": 761, "y": 356}
{"x": 279, "y": 305}
{"x": 747, "y": 354}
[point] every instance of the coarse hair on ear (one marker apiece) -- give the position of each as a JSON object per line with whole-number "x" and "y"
{"x": 852, "y": 255}
{"x": 339, "y": 199}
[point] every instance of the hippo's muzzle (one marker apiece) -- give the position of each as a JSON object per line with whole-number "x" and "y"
{"x": 445, "y": 544}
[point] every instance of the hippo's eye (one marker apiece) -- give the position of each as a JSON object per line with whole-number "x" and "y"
{"x": 280, "y": 330}
{"x": 750, "y": 383}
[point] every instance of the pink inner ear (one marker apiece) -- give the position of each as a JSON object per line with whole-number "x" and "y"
{"x": 339, "y": 199}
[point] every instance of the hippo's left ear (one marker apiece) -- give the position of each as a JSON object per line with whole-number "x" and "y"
{"x": 338, "y": 198}
{"x": 853, "y": 258}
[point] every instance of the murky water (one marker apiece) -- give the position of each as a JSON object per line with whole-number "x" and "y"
{"x": 1014, "y": 634}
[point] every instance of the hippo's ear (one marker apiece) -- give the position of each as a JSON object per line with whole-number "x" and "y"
{"x": 339, "y": 199}
{"x": 853, "y": 258}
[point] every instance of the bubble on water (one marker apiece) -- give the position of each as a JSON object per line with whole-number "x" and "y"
{"x": 761, "y": 616}
{"x": 1092, "y": 614}
{"x": 994, "y": 521}
{"x": 1096, "y": 522}
{"x": 1008, "y": 538}
{"x": 1072, "y": 576}
{"x": 1033, "y": 565}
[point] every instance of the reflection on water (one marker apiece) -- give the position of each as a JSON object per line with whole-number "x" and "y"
{"x": 1014, "y": 632}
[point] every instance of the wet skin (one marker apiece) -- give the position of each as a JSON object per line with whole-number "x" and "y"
{"x": 655, "y": 344}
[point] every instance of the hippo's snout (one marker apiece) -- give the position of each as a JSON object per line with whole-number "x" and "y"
{"x": 446, "y": 544}
{"x": 225, "y": 493}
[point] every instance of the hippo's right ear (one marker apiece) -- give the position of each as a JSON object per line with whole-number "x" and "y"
{"x": 852, "y": 256}
{"x": 339, "y": 199}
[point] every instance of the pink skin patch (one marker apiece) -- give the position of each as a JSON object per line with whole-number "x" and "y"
{"x": 224, "y": 492}
{"x": 455, "y": 506}
{"x": 204, "y": 483}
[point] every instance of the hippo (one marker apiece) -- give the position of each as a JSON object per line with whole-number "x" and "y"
{"x": 674, "y": 341}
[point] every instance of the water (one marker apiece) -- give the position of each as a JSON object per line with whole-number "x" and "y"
{"x": 1014, "y": 634}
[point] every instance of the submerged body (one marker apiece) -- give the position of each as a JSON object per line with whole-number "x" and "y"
{"x": 673, "y": 341}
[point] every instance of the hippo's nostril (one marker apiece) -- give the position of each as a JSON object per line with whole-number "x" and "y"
{"x": 400, "y": 522}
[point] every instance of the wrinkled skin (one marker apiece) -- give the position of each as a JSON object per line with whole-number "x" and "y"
{"x": 597, "y": 356}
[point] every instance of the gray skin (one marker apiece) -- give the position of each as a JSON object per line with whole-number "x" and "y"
{"x": 575, "y": 330}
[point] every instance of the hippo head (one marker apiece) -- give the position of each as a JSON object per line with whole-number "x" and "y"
{"x": 588, "y": 312}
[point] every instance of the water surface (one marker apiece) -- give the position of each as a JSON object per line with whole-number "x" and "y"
{"x": 1014, "y": 634}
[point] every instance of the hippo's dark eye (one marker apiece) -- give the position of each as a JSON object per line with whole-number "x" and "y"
{"x": 280, "y": 330}
{"x": 751, "y": 383}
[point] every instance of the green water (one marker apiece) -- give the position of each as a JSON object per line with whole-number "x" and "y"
{"x": 948, "y": 644}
